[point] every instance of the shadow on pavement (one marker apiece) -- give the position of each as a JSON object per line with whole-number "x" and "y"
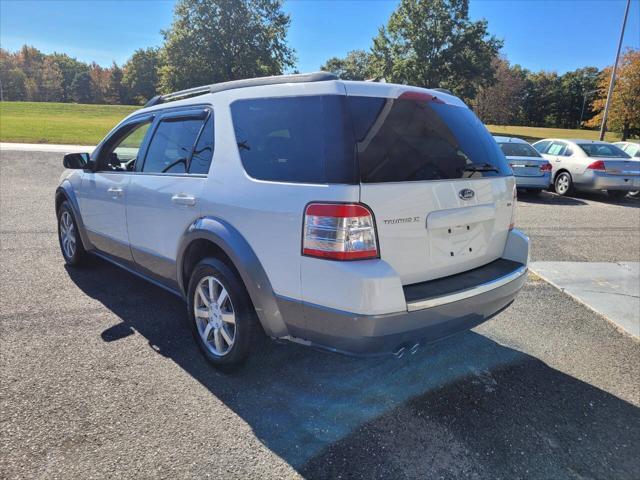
{"x": 548, "y": 198}
{"x": 465, "y": 406}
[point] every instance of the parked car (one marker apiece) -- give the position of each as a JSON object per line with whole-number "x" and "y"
{"x": 633, "y": 150}
{"x": 360, "y": 217}
{"x": 590, "y": 165}
{"x": 531, "y": 170}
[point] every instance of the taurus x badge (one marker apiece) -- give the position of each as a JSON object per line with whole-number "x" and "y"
{"x": 466, "y": 194}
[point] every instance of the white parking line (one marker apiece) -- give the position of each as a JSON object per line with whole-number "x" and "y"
{"x": 610, "y": 289}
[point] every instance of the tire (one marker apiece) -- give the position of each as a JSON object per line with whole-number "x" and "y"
{"x": 231, "y": 327}
{"x": 617, "y": 194}
{"x": 563, "y": 184}
{"x": 71, "y": 246}
{"x": 635, "y": 194}
{"x": 534, "y": 191}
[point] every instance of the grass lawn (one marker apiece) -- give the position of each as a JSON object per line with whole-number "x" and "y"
{"x": 65, "y": 123}
{"x": 533, "y": 134}
{"x": 70, "y": 123}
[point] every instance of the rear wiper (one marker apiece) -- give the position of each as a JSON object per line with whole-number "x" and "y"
{"x": 481, "y": 167}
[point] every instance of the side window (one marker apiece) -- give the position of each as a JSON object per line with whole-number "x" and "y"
{"x": 171, "y": 145}
{"x": 121, "y": 153}
{"x": 203, "y": 152}
{"x": 556, "y": 148}
{"x": 542, "y": 146}
{"x": 568, "y": 152}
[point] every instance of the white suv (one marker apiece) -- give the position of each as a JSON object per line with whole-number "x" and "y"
{"x": 356, "y": 216}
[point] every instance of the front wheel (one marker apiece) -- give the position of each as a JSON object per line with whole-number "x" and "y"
{"x": 616, "y": 194}
{"x": 221, "y": 314}
{"x": 70, "y": 242}
{"x": 563, "y": 184}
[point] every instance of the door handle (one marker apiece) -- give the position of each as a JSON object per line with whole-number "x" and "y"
{"x": 115, "y": 191}
{"x": 183, "y": 199}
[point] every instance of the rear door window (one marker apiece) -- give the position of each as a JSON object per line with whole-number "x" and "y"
{"x": 203, "y": 153}
{"x": 303, "y": 139}
{"x": 417, "y": 138}
{"x": 556, "y": 148}
{"x": 542, "y": 146}
{"x": 171, "y": 145}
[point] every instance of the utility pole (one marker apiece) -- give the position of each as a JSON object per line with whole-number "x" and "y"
{"x": 603, "y": 127}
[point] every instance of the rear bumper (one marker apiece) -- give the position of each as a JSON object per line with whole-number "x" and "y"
{"x": 595, "y": 180}
{"x": 424, "y": 320}
{"x": 540, "y": 182}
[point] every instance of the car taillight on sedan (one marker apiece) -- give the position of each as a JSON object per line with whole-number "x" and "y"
{"x": 545, "y": 167}
{"x": 339, "y": 231}
{"x": 597, "y": 165}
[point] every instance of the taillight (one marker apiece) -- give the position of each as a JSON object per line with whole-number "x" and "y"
{"x": 339, "y": 231}
{"x": 545, "y": 167}
{"x": 597, "y": 165}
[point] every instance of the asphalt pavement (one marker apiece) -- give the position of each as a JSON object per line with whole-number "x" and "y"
{"x": 101, "y": 379}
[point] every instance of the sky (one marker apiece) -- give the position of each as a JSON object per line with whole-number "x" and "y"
{"x": 559, "y": 35}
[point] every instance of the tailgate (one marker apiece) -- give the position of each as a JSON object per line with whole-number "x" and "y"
{"x": 437, "y": 183}
{"x": 526, "y": 166}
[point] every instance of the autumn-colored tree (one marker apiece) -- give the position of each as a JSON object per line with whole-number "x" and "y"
{"x": 99, "y": 82}
{"x": 624, "y": 110}
{"x": 501, "y": 102}
{"x": 50, "y": 89}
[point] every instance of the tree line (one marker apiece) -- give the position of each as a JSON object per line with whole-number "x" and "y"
{"x": 430, "y": 43}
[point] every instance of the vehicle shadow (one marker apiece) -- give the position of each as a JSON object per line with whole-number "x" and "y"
{"x": 463, "y": 405}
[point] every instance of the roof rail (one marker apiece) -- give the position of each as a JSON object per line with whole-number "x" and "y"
{"x": 249, "y": 82}
{"x": 443, "y": 90}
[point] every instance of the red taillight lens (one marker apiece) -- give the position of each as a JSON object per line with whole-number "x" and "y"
{"x": 545, "y": 167}
{"x": 339, "y": 231}
{"x": 597, "y": 165}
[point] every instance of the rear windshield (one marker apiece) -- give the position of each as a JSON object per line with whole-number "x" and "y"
{"x": 602, "y": 150}
{"x": 399, "y": 140}
{"x": 340, "y": 139}
{"x": 512, "y": 149}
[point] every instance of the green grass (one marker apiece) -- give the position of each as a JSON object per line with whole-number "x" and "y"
{"x": 65, "y": 123}
{"x": 533, "y": 134}
{"x": 70, "y": 123}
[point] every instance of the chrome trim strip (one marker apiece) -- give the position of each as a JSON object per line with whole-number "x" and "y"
{"x": 470, "y": 292}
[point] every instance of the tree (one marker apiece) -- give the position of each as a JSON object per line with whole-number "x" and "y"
{"x": 100, "y": 82}
{"x": 13, "y": 83}
{"x": 624, "y": 111}
{"x": 116, "y": 92}
{"x": 355, "y": 66}
{"x": 70, "y": 68}
{"x": 81, "y": 88}
{"x": 218, "y": 40}
{"x": 541, "y": 99}
{"x": 432, "y": 43}
{"x": 141, "y": 74}
{"x": 574, "y": 86}
{"x": 500, "y": 103}
{"x": 50, "y": 81}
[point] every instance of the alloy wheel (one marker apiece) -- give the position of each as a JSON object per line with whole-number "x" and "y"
{"x": 562, "y": 184}
{"x": 215, "y": 316}
{"x": 67, "y": 234}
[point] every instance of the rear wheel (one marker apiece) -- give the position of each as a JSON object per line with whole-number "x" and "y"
{"x": 635, "y": 194}
{"x": 563, "y": 184}
{"x": 617, "y": 194}
{"x": 222, "y": 317}
{"x": 70, "y": 242}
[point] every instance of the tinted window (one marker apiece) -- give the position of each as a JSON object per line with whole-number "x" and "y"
{"x": 203, "y": 152}
{"x": 542, "y": 146}
{"x": 171, "y": 145}
{"x": 295, "y": 139}
{"x": 413, "y": 139}
{"x": 602, "y": 150}
{"x": 518, "y": 150}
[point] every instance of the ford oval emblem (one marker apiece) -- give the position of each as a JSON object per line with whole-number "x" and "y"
{"x": 466, "y": 194}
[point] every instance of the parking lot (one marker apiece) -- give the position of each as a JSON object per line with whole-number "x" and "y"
{"x": 100, "y": 376}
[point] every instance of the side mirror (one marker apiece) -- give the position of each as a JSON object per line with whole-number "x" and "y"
{"x": 75, "y": 161}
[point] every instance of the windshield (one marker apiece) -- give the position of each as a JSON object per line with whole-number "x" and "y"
{"x": 602, "y": 150}
{"x": 415, "y": 138}
{"x": 512, "y": 149}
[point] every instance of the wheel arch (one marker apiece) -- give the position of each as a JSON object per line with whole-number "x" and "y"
{"x": 561, "y": 170}
{"x": 210, "y": 236}
{"x": 65, "y": 193}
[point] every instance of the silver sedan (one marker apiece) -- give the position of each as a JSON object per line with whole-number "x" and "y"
{"x": 590, "y": 165}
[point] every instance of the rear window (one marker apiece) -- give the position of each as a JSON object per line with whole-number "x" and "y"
{"x": 341, "y": 139}
{"x": 399, "y": 140}
{"x": 602, "y": 150}
{"x": 295, "y": 139}
{"x": 518, "y": 150}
